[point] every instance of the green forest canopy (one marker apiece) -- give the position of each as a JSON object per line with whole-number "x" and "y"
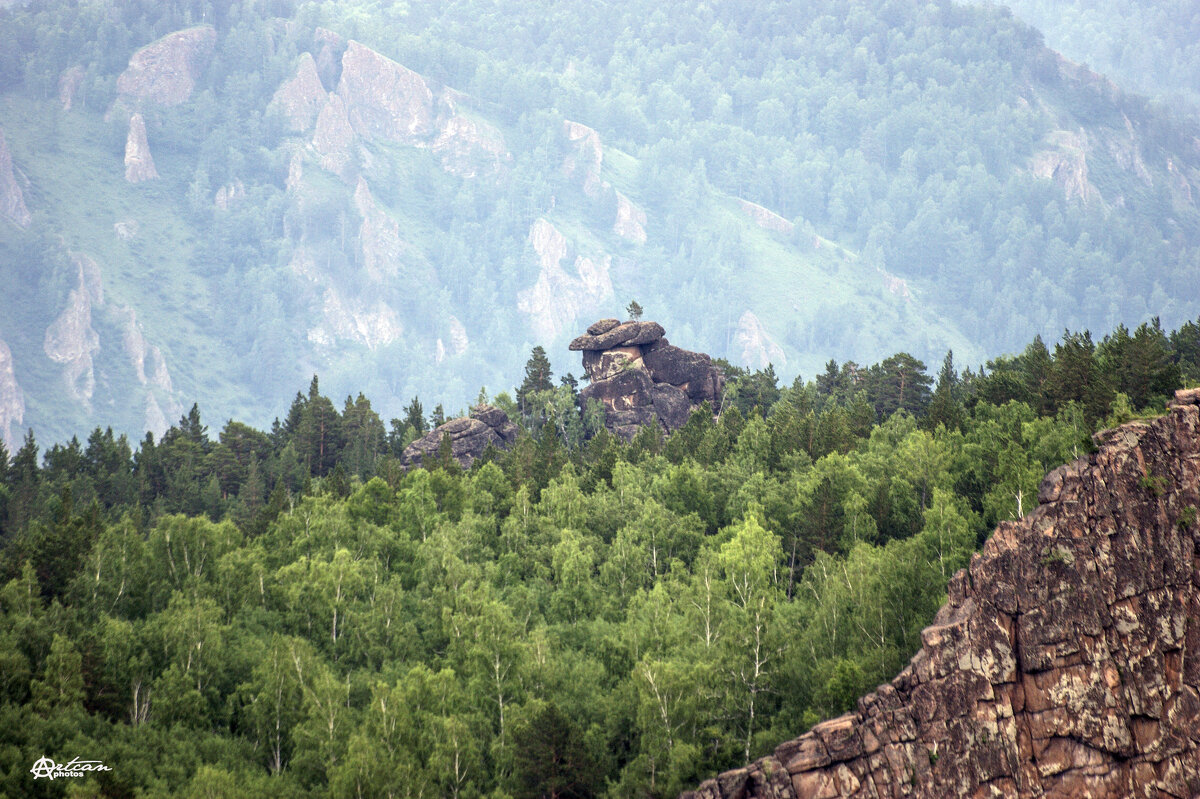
{"x": 288, "y": 613}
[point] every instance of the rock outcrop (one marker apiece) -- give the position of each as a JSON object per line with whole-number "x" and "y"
{"x": 12, "y": 199}
{"x": 757, "y": 347}
{"x": 557, "y": 299}
{"x": 164, "y": 72}
{"x": 639, "y": 377}
{"x": 12, "y": 401}
{"x": 630, "y": 223}
{"x": 585, "y": 162}
{"x": 470, "y": 147}
{"x": 765, "y": 218}
{"x": 1065, "y": 663}
{"x": 383, "y": 99}
{"x": 68, "y": 85}
{"x": 469, "y": 436}
{"x": 334, "y": 136}
{"x": 1064, "y": 161}
{"x": 71, "y": 341}
{"x": 139, "y": 163}
{"x": 301, "y": 99}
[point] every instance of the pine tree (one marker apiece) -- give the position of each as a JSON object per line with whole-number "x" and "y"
{"x": 634, "y": 310}
{"x": 538, "y": 377}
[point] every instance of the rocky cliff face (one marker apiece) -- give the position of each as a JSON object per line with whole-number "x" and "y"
{"x": 71, "y": 341}
{"x": 469, "y": 436}
{"x": 12, "y": 199}
{"x": 302, "y": 97}
{"x": 384, "y": 99}
{"x": 757, "y": 347}
{"x": 12, "y": 401}
{"x": 1066, "y": 662}
{"x": 164, "y": 72}
{"x": 639, "y": 377}
{"x": 139, "y": 163}
{"x": 557, "y": 299}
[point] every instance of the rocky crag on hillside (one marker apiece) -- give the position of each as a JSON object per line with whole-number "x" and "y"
{"x": 640, "y": 377}
{"x": 1065, "y": 663}
{"x": 469, "y": 437}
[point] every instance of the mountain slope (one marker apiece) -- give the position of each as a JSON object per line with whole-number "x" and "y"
{"x": 775, "y": 186}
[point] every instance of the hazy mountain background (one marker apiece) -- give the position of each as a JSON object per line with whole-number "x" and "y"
{"x": 406, "y": 199}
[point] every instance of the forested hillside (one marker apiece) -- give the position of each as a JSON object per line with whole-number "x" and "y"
{"x": 1152, "y": 48}
{"x": 212, "y": 201}
{"x": 288, "y": 613}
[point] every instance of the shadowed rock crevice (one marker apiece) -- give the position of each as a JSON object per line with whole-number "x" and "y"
{"x": 1065, "y": 663}
{"x": 639, "y": 377}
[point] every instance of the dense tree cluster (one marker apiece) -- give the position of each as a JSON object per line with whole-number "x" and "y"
{"x": 288, "y": 613}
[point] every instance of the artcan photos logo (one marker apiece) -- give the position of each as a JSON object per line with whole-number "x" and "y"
{"x": 76, "y": 768}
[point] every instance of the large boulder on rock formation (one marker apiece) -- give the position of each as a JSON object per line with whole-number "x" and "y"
{"x": 1065, "y": 662}
{"x": 641, "y": 379}
{"x": 469, "y": 436}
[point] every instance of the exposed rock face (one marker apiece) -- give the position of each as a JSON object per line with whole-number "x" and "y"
{"x": 68, "y": 85}
{"x": 765, "y": 218}
{"x": 469, "y": 436}
{"x": 587, "y": 158}
{"x": 139, "y": 163}
{"x": 1065, "y": 663}
{"x": 229, "y": 194}
{"x": 12, "y": 401}
{"x": 379, "y": 235}
{"x": 557, "y": 299}
{"x": 470, "y": 147}
{"x": 630, "y": 223}
{"x": 383, "y": 99}
{"x": 1065, "y": 162}
{"x": 164, "y": 72}
{"x": 12, "y": 199}
{"x": 757, "y": 347}
{"x": 334, "y": 136}
{"x": 71, "y": 341}
{"x": 372, "y": 324}
{"x": 301, "y": 98}
{"x": 639, "y": 377}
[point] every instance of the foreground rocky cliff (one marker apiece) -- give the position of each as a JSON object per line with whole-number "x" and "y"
{"x": 1066, "y": 662}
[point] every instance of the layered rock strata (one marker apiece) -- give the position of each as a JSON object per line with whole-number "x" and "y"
{"x": 469, "y": 437}
{"x": 640, "y": 377}
{"x": 1065, "y": 663}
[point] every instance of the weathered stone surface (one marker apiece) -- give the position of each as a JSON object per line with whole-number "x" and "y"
{"x": 12, "y": 199}
{"x": 333, "y": 137}
{"x": 559, "y": 297}
{"x": 758, "y": 348}
{"x": 628, "y": 334}
{"x": 1066, "y": 661}
{"x": 302, "y": 97}
{"x": 693, "y": 372}
{"x": 383, "y": 99}
{"x": 469, "y": 147}
{"x": 139, "y": 163}
{"x": 164, "y": 72}
{"x": 630, "y": 223}
{"x": 617, "y": 360}
{"x": 469, "y": 436}
{"x": 68, "y": 85}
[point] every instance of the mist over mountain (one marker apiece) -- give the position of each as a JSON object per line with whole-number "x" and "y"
{"x": 211, "y": 202}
